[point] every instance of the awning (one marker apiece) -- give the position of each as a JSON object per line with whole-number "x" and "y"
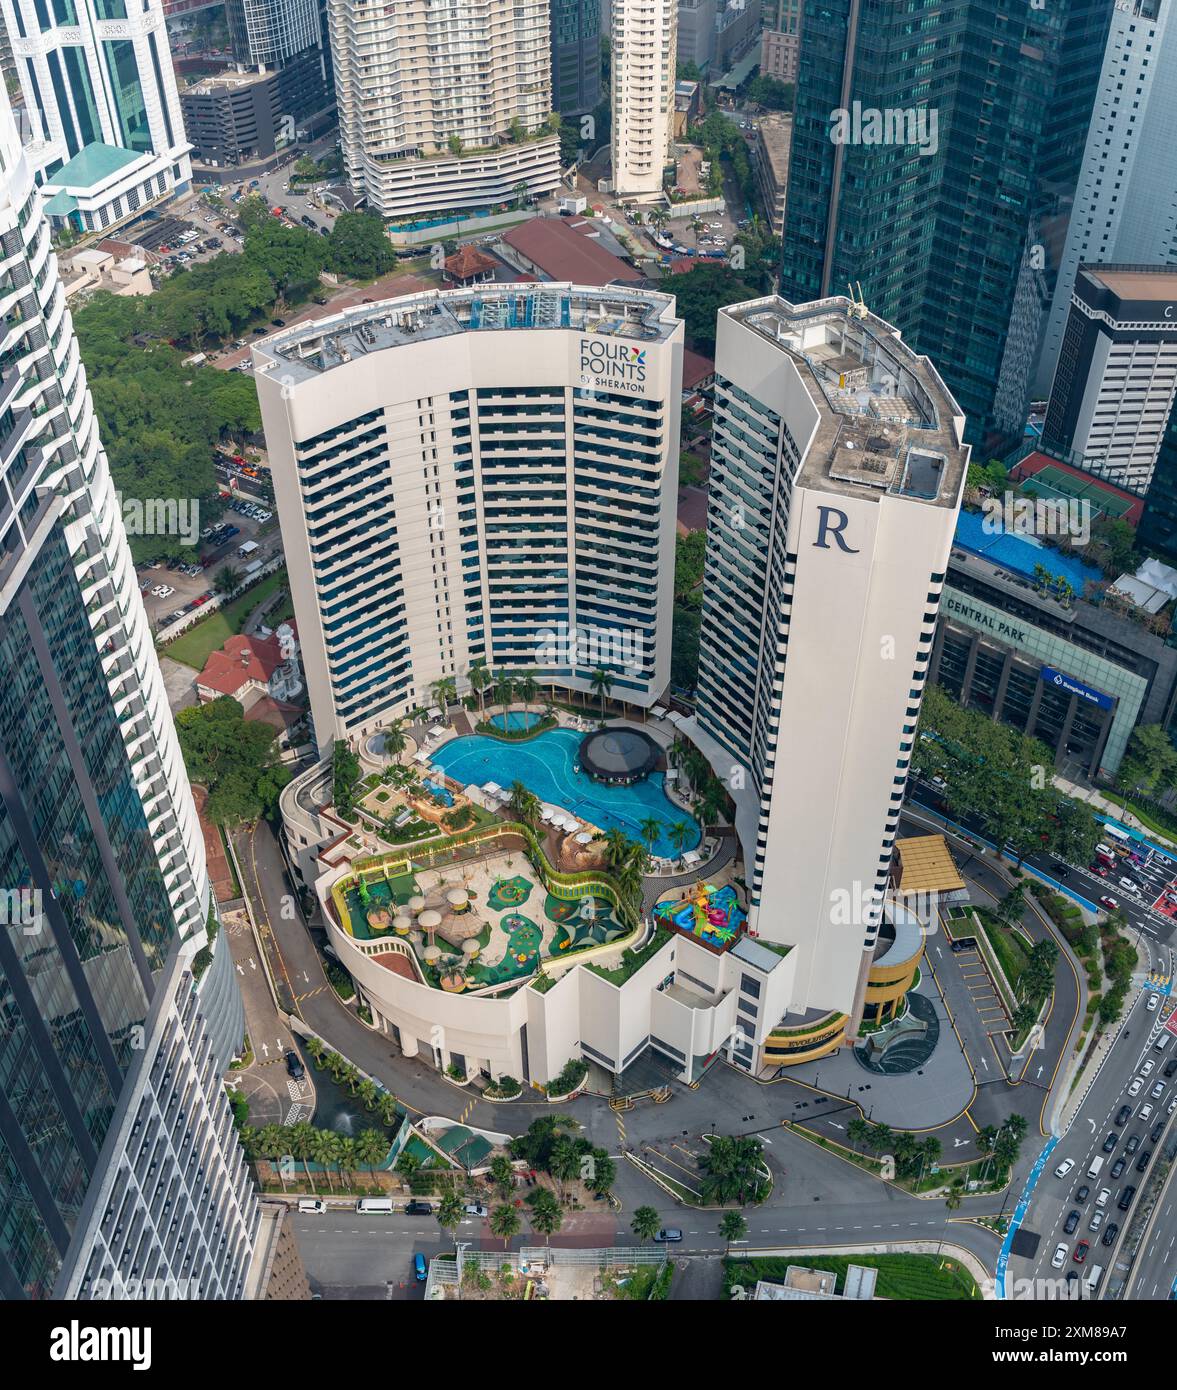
{"x": 691, "y": 857}
{"x": 658, "y": 712}
{"x": 437, "y": 730}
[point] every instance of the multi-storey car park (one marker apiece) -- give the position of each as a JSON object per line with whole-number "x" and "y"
{"x": 476, "y": 476}
{"x": 492, "y": 940}
{"x": 119, "y": 1167}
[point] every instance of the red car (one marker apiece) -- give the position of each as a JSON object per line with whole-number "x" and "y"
{"x": 1110, "y": 903}
{"x": 1081, "y": 1251}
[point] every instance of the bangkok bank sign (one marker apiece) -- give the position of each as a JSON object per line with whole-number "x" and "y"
{"x": 612, "y": 366}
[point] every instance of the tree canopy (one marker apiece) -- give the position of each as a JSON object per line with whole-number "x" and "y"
{"x": 235, "y": 759}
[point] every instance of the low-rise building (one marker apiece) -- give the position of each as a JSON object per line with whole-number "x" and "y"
{"x": 557, "y": 248}
{"x": 771, "y": 159}
{"x": 103, "y": 186}
{"x": 804, "y": 1284}
{"x": 250, "y": 668}
{"x": 469, "y": 266}
{"x": 95, "y": 269}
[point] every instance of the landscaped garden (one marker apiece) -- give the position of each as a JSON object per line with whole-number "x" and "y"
{"x": 902, "y": 1276}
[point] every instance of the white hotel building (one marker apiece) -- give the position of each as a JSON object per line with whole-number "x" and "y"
{"x": 837, "y": 472}
{"x": 443, "y": 107}
{"x": 836, "y": 477}
{"x": 473, "y": 476}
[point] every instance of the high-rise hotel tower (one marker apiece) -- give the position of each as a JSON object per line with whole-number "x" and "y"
{"x": 836, "y": 477}
{"x": 119, "y": 1168}
{"x": 477, "y": 476}
{"x": 644, "y": 36}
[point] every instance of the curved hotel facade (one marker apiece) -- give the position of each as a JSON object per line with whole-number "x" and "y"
{"x": 477, "y": 476}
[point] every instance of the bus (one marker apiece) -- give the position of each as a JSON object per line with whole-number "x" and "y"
{"x": 1116, "y": 833}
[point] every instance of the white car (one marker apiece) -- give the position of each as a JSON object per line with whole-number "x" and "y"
{"x": 1171, "y": 1106}
{"x": 1064, "y": 1168}
{"x": 1158, "y": 1090}
{"x": 1145, "y": 1112}
{"x": 1136, "y": 1087}
{"x": 1146, "y": 1067}
{"x": 1153, "y": 1001}
{"x": 1059, "y": 1258}
{"x": 1104, "y": 1194}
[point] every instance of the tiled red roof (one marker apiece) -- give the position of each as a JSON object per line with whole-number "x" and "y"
{"x": 469, "y": 261}
{"x": 239, "y": 661}
{"x": 695, "y": 369}
{"x": 564, "y": 254}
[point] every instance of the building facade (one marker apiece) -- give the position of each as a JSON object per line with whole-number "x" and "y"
{"x": 122, "y": 1172}
{"x": 644, "y": 36}
{"x": 780, "y": 41}
{"x": 1125, "y": 205}
{"x": 1116, "y": 379}
{"x": 837, "y": 470}
{"x": 576, "y": 56}
{"x": 98, "y": 72}
{"x": 444, "y": 108}
{"x": 476, "y": 476}
{"x": 936, "y": 149}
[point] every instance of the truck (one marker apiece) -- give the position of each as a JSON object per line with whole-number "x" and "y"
{"x": 247, "y": 548}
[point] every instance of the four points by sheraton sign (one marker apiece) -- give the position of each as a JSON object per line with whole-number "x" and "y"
{"x": 612, "y": 366}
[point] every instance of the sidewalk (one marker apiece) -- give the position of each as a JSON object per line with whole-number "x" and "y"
{"x": 1110, "y": 808}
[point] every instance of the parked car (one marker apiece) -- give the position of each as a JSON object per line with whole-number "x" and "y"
{"x": 669, "y": 1235}
{"x": 476, "y": 1209}
{"x": 416, "y": 1208}
{"x": 294, "y": 1065}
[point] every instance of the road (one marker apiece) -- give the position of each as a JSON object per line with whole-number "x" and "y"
{"x": 1096, "y": 1125}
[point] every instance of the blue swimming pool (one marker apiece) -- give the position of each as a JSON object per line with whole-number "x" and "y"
{"x": 515, "y": 720}
{"x": 439, "y": 793}
{"x": 546, "y": 763}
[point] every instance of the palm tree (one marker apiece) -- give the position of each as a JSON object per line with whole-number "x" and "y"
{"x": 346, "y": 1155}
{"x": 713, "y": 801}
{"x": 504, "y": 690}
{"x": 480, "y": 677}
{"x": 732, "y": 1226}
{"x": 349, "y": 1076}
{"x": 602, "y": 683}
{"x": 505, "y": 1222}
{"x": 323, "y": 1150}
{"x": 503, "y": 1174}
{"x": 302, "y": 1139}
{"x": 226, "y": 581}
{"x": 386, "y": 1108}
{"x": 651, "y": 829}
{"x": 528, "y": 688}
{"x": 445, "y": 690}
{"x": 858, "y": 1131}
{"x": 678, "y": 750}
{"x": 564, "y": 1163}
{"x": 678, "y": 834}
{"x": 546, "y": 1216}
{"x": 371, "y": 1147}
{"x": 449, "y": 1213}
{"x": 368, "y": 1092}
{"x": 952, "y": 1201}
{"x": 525, "y": 805}
{"x": 646, "y": 1223}
{"x": 617, "y": 847}
{"x": 394, "y": 738}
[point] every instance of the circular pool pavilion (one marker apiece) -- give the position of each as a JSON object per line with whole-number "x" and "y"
{"x": 619, "y": 756}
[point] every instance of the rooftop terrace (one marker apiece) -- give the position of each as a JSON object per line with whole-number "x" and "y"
{"x": 888, "y": 422}
{"x": 306, "y": 350}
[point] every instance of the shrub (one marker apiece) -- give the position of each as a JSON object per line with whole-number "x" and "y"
{"x": 571, "y": 1075}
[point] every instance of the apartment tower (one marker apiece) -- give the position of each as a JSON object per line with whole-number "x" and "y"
{"x": 444, "y": 108}
{"x": 122, "y": 1174}
{"x": 644, "y": 39}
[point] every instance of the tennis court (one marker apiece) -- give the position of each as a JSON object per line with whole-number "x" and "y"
{"x": 1049, "y": 479}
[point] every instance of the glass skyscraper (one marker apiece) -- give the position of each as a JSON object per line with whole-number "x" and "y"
{"x": 947, "y": 191}
{"x": 119, "y": 1169}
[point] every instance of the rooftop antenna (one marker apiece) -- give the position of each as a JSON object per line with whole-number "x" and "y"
{"x": 857, "y": 308}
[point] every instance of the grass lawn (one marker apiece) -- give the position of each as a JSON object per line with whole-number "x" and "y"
{"x": 1007, "y": 948}
{"x": 910, "y": 1277}
{"x": 195, "y": 646}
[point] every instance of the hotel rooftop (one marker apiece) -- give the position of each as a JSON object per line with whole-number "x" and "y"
{"x": 888, "y": 422}
{"x": 306, "y": 350}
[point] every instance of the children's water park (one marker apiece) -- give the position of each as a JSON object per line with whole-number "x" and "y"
{"x": 710, "y": 915}
{"x": 477, "y": 915}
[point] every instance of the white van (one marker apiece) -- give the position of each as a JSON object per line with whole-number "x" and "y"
{"x": 1094, "y": 1275}
{"x": 374, "y": 1204}
{"x": 1162, "y": 1042}
{"x": 1096, "y": 1166}
{"x": 311, "y": 1204}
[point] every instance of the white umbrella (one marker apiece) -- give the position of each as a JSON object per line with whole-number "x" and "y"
{"x": 584, "y": 838}
{"x": 416, "y": 903}
{"x": 432, "y": 953}
{"x": 429, "y": 920}
{"x": 470, "y": 946}
{"x": 457, "y": 897}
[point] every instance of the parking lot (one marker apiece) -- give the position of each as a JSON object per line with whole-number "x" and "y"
{"x": 186, "y": 588}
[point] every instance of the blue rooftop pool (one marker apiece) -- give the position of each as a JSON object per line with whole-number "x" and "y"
{"x": 547, "y": 766}
{"x": 1020, "y": 553}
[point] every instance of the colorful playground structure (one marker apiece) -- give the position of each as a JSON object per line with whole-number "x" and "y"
{"x": 712, "y": 915}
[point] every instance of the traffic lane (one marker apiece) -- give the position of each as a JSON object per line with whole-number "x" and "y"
{"x": 1154, "y": 1271}
{"x": 928, "y": 798}
{"x": 1055, "y": 1197}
